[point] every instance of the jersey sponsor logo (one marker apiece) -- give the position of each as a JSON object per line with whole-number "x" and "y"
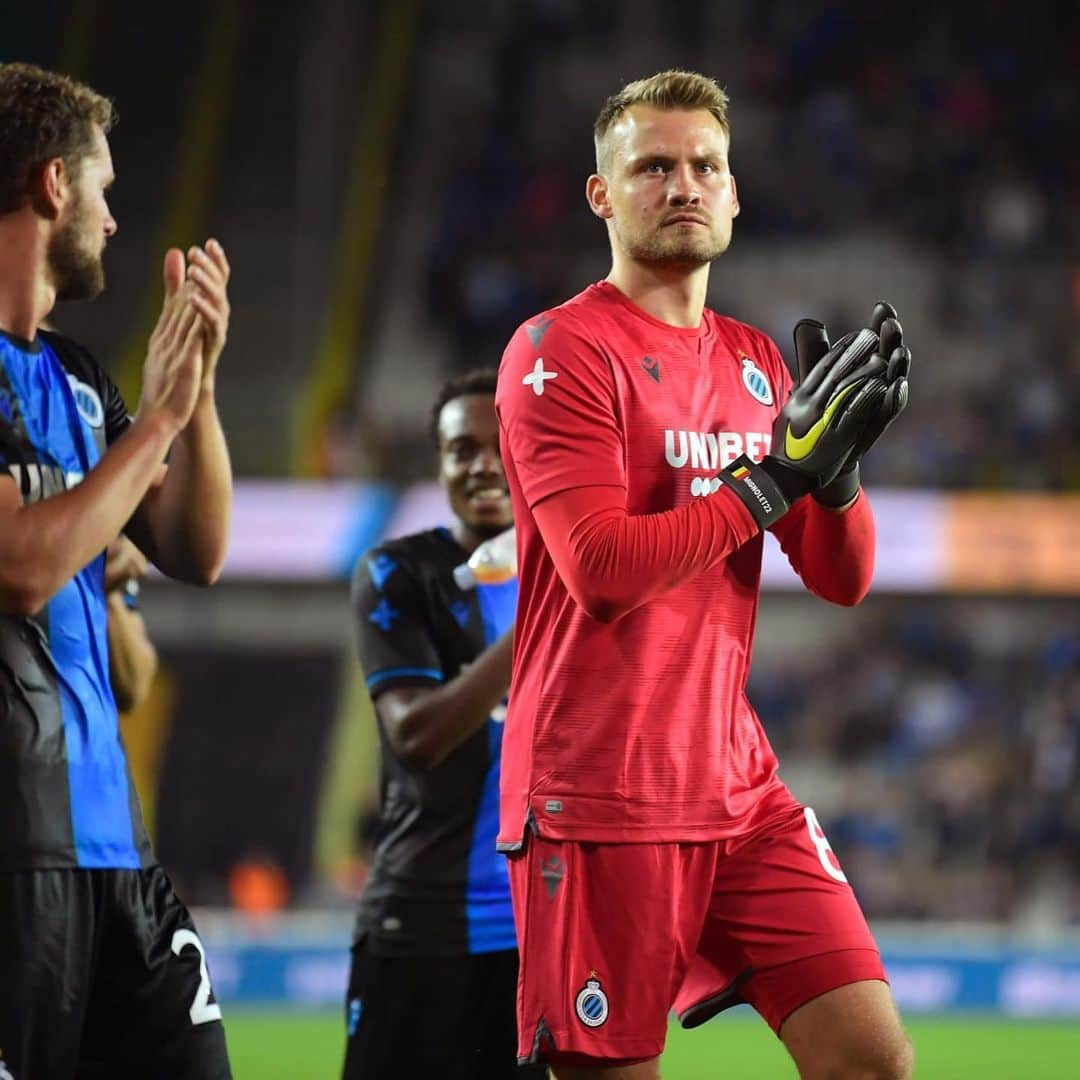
{"x": 88, "y": 402}
{"x": 591, "y": 1003}
{"x": 37, "y": 482}
{"x": 537, "y": 330}
{"x": 538, "y": 376}
{"x": 756, "y": 382}
{"x": 652, "y": 368}
{"x": 712, "y": 450}
{"x": 704, "y": 485}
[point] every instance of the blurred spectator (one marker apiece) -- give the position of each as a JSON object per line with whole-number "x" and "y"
{"x": 258, "y": 886}
{"x": 946, "y": 142}
{"x": 946, "y": 773}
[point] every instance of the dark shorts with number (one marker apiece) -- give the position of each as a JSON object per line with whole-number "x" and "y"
{"x": 103, "y": 976}
{"x": 437, "y": 1017}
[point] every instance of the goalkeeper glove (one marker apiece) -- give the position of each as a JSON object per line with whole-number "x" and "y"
{"x": 895, "y": 360}
{"x": 840, "y": 389}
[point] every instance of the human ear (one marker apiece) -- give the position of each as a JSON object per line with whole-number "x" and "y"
{"x": 596, "y": 192}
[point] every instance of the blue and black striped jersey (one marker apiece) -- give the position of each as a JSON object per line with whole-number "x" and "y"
{"x": 437, "y": 886}
{"x": 66, "y": 796}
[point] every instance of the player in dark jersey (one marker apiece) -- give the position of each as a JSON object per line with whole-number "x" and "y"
{"x": 648, "y": 442}
{"x": 133, "y": 660}
{"x": 101, "y": 970}
{"x": 434, "y": 969}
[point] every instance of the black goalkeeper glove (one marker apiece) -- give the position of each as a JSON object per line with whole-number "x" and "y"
{"x": 840, "y": 388}
{"x": 895, "y": 360}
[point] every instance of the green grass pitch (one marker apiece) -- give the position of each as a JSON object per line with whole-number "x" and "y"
{"x": 280, "y": 1045}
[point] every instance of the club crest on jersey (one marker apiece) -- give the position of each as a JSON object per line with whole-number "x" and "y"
{"x": 591, "y": 1004}
{"x": 88, "y": 402}
{"x": 756, "y": 381}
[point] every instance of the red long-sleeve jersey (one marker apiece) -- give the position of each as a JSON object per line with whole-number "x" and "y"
{"x": 639, "y": 573}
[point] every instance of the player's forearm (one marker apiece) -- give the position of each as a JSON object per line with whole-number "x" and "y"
{"x": 439, "y": 722}
{"x": 612, "y": 562}
{"x": 185, "y": 522}
{"x": 44, "y": 544}
{"x": 132, "y": 656}
{"x": 832, "y": 551}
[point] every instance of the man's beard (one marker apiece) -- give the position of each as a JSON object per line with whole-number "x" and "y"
{"x": 77, "y": 274}
{"x": 689, "y": 251}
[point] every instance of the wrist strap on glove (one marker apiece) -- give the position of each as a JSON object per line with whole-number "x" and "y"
{"x": 759, "y": 491}
{"x": 841, "y": 491}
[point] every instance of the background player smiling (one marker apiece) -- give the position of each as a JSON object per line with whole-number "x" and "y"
{"x": 631, "y": 753}
{"x": 434, "y": 970}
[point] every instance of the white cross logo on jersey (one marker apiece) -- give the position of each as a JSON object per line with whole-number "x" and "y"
{"x": 536, "y": 377}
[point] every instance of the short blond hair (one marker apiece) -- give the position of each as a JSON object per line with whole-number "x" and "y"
{"x": 672, "y": 89}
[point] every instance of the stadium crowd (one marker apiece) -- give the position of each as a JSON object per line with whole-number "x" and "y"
{"x": 947, "y": 768}
{"x": 947, "y": 141}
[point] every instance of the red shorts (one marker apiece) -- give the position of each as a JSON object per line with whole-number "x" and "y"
{"x": 614, "y": 936}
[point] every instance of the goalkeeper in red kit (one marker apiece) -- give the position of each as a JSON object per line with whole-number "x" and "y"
{"x": 657, "y": 861}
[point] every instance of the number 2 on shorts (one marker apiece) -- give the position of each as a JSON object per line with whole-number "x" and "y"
{"x": 824, "y": 848}
{"x": 202, "y": 1009}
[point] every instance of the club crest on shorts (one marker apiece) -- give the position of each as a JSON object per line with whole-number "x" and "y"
{"x": 591, "y": 1004}
{"x": 756, "y": 381}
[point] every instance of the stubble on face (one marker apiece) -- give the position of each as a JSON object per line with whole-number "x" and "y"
{"x": 74, "y": 256}
{"x": 671, "y": 244}
{"x": 468, "y": 428}
{"x": 644, "y": 230}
